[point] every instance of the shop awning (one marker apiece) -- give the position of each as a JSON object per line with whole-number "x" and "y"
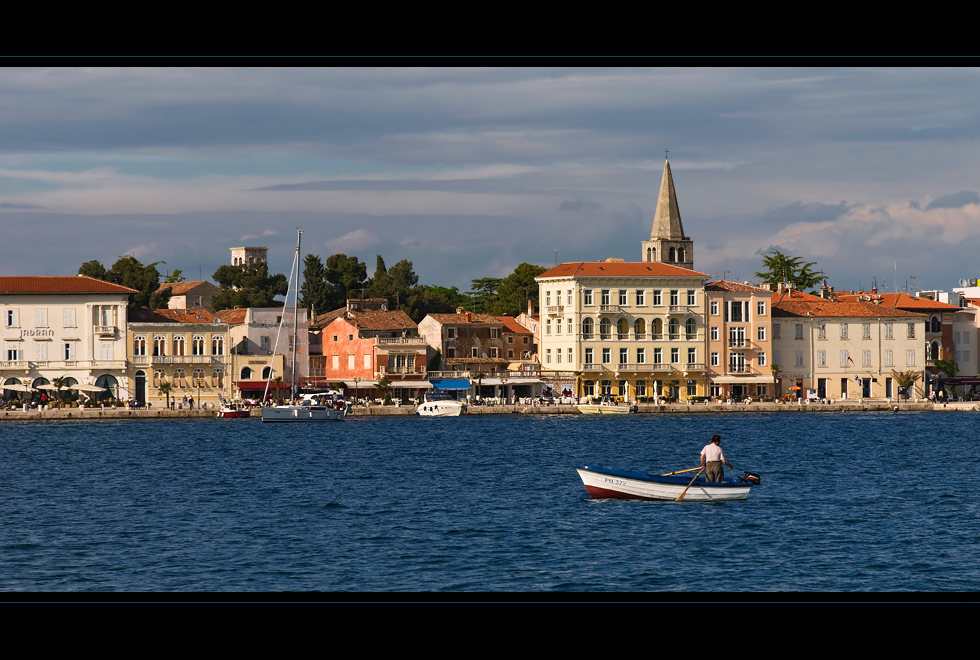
{"x": 725, "y": 380}
{"x": 412, "y": 384}
{"x": 257, "y": 386}
{"x": 510, "y": 381}
{"x": 361, "y": 383}
{"x": 450, "y": 384}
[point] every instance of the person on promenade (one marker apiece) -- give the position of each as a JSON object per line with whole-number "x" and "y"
{"x": 712, "y": 458}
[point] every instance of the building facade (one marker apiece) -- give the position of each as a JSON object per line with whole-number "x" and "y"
{"x": 260, "y": 335}
{"x": 739, "y": 340}
{"x": 630, "y": 330}
{"x": 64, "y": 327}
{"x": 190, "y": 295}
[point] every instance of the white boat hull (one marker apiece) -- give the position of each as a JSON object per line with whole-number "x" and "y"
{"x": 303, "y": 414}
{"x": 604, "y": 410}
{"x": 440, "y": 409}
{"x": 619, "y": 484}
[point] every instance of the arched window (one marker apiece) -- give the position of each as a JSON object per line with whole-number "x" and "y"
{"x": 246, "y": 373}
{"x": 934, "y": 352}
{"x": 217, "y": 346}
{"x": 159, "y": 377}
{"x": 139, "y": 345}
{"x": 639, "y": 329}
{"x": 680, "y": 254}
{"x": 218, "y": 378}
{"x": 673, "y": 328}
{"x": 587, "y": 328}
{"x": 604, "y": 328}
{"x": 673, "y": 255}
{"x": 266, "y": 373}
{"x": 623, "y": 329}
{"x": 197, "y": 345}
{"x": 179, "y": 345}
{"x": 159, "y": 345}
{"x": 691, "y": 329}
{"x": 657, "y": 329}
{"x": 936, "y": 325}
{"x": 197, "y": 378}
{"x": 180, "y": 378}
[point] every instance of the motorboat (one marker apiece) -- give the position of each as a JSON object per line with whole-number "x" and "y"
{"x": 603, "y": 482}
{"x": 234, "y": 410}
{"x": 318, "y": 407}
{"x": 439, "y": 404}
{"x": 605, "y": 407}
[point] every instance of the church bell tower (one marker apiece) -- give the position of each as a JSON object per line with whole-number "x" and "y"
{"x": 668, "y": 244}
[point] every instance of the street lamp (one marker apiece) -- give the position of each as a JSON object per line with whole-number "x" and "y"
{"x": 356, "y": 381}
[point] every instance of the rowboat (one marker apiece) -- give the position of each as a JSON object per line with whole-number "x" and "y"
{"x": 603, "y": 482}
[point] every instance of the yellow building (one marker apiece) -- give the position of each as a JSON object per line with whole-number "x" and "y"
{"x": 184, "y": 349}
{"x": 631, "y": 330}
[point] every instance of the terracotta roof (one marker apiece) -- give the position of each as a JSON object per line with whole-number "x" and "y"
{"x": 232, "y": 316}
{"x": 59, "y": 284}
{"x": 900, "y": 301}
{"x": 618, "y": 269}
{"x": 171, "y": 316}
{"x": 180, "y": 288}
{"x": 482, "y": 319}
{"x": 734, "y": 287}
{"x": 378, "y": 320}
{"x": 479, "y": 360}
{"x": 814, "y": 306}
{"x": 511, "y": 325}
{"x": 323, "y": 320}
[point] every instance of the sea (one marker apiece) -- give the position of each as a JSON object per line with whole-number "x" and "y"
{"x": 868, "y": 503}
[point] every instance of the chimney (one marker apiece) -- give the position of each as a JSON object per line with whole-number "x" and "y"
{"x": 530, "y": 307}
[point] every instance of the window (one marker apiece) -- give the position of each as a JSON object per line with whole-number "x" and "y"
{"x": 139, "y": 345}
{"x": 714, "y": 333}
{"x": 691, "y": 298}
{"x": 569, "y": 325}
{"x": 910, "y": 356}
{"x": 715, "y": 359}
{"x": 335, "y": 361}
{"x": 40, "y": 318}
{"x": 675, "y": 297}
{"x": 604, "y": 328}
{"x": 775, "y": 330}
{"x": 714, "y": 308}
{"x": 622, "y": 297}
{"x": 13, "y": 352}
{"x": 624, "y": 357}
{"x": 605, "y": 297}
{"x": 547, "y": 298}
{"x": 180, "y": 378}
{"x": 450, "y": 333}
{"x": 197, "y": 345}
{"x": 607, "y": 356}
{"x": 557, "y": 327}
{"x": 911, "y": 331}
{"x": 736, "y": 363}
{"x": 367, "y": 360}
{"x": 657, "y": 299}
{"x": 641, "y": 388}
{"x": 760, "y": 333}
{"x": 510, "y": 354}
{"x": 675, "y": 356}
{"x": 494, "y": 332}
{"x": 264, "y": 343}
{"x": 889, "y": 359}
{"x": 69, "y": 350}
{"x": 588, "y": 356}
{"x": 160, "y": 376}
{"x": 888, "y": 331}
{"x": 159, "y": 346}
{"x": 843, "y": 331}
{"x": 736, "y": 336}
{"x": 218, "y": 378}
{"x": 639, "y": 297}
{"x": 641, "y": 356}
{"x": 568, "y": 297}
{"x": 197, "y": 378}
{"x": 775, "y": 357}
{"x": 474, "y": 352}
{"x": 760, "y": 308}
{"x": 450, "y": 352}
{"x": 217, "y": 346}
{"x": 799, "y": 331}
{"x": 821, "y": 358}
{"x": 587, "y": 326}
{"x": 179, "y": 345}
{"x": 266, "y": 373}
{"x": 821, "y": 331}
{"x": 493, "y": 352}
{"x": 106, "y": 350}
{"x": 11, "y": 318}
{"x": 761, "y": 358}
{"x": 69, "y": 320}
{"x": 799, "y": 358}
{"x": 865, "y": 358}
{"x": 350, "y": 360}
{"x": 691, "y": 329}
{"x": 569, "y": 356}
{"x": 547, "y": 326}
{"x": 866, "y": 331}
{"x": 692, "y": 355}
{"x": 845, "y": 358}
{"x": 658, "y": 356}
{"x": 587, "y": 295}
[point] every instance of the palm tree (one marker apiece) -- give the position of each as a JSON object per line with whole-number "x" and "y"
{"x": 906, "y": 379}
{"x": 385, "y": 386}
{"x": 277, "y": 381}
{"x": 165, "y": 389}
{"x": 479, "y": 375}
{"x": 60, "y": 382}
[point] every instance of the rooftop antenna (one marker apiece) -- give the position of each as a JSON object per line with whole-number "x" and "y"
{"x": 556, "y": 257}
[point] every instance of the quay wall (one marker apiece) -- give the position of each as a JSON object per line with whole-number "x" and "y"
{"x": 372, "y": 411}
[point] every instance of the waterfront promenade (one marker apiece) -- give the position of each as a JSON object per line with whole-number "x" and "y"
{"x": 96, "y": 413}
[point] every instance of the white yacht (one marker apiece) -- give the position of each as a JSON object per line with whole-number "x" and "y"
{"x": 438, "y": 404}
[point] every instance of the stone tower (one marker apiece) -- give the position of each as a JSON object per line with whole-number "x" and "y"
{"x": 241, "y": 256}
{"x": 668, "y": 244}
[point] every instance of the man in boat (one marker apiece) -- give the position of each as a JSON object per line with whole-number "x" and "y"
{"x": 712, "y": 458}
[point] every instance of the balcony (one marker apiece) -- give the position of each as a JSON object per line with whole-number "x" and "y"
{"x": 555, "y": 309}
{"x": 609, "y": 308}
{"x": 105, "y": 330}
{"x": 401, "y": 341}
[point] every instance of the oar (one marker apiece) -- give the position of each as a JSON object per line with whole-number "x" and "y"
{"x": 679, "y": 471}
{"x": 681, "y": 496}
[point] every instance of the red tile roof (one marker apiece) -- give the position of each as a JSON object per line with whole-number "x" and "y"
{"x": 171, "y": 316}
{"x": 900, "y": 301}
{"x": 59, "y": 284}
{"x": 511, "y": 325}
{"x": 814, "y": 306}
{"x": 232, "y": 316}
{"x": 734, "y": 287}
{"x": 180, "y": 288}
{"x": 618, "y": 269}
{"x": 378, "y": 320}
{"x": 482, "y": 319}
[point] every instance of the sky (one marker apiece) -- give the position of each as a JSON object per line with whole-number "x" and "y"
{"x": 469, "y": 172}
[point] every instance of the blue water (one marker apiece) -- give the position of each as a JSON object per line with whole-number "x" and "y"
{"x": 848, "y": 502}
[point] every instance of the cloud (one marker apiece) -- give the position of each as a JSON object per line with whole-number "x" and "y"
{"x": 578, "y": 204}
{"x": 954, "y": 201}
{"x": 18, "y": 207}
{"x": 358, "y": 239}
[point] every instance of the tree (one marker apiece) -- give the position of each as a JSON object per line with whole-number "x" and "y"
{"x": 906, "y": 380}
{"x": 175, "y": 276}
{"x": 516, "y": 289}
{"x": 248, "y": 285}
{"x": 484, "y": 293}
{"x": 130, "y": 272}
{"x": 345, "y": 272}
{"x": 317, "y": 295}
{"x": 166, "y": 388}
{"x": 385, "y": 386}
{"x": 779, "y": 267}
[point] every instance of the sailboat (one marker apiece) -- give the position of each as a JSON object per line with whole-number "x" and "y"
{"x": 313, "y": 407}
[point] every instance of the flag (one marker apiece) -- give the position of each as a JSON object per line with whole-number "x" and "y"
{"x": 849, "y": 358}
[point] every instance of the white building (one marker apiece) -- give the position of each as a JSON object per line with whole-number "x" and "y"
{"x": 256, "y": 340}
{"x": 71, "y": 327}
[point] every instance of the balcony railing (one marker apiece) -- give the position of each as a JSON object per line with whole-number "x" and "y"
{"x": 105, "y": 330}
{"x": 556, "y": 309}
{"x": 608, "y": 308}
{"x": 413, "y": 341}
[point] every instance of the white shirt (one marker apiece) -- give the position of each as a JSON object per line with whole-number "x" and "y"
{"x": 713, "y": 452}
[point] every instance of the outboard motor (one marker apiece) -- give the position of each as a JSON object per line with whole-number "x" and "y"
{"x": 634, "y": 409}
{"x": 752, "y": 478}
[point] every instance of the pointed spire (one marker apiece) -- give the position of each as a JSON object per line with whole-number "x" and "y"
{"x": 667, "y": 221}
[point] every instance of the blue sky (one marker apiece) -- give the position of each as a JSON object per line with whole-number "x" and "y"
{"x": 469, "y": 172}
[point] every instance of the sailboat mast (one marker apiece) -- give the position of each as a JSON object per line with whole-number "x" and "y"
{"x": 299, "y": 237}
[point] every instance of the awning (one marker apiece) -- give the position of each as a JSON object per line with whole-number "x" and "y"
{"x": 450, "y": 384}
{"x": 510, "y": 381}
{"x": 361, "y": 383}
{"x": 724, "y": 380}
{"x": 260, "y": 385}
{"x": 412, "y": 384}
